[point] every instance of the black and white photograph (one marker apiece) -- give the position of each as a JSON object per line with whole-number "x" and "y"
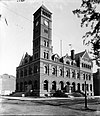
{"x": 50, "y": 57}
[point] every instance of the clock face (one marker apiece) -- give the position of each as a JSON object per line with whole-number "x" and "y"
{"x": 46, "y": 23}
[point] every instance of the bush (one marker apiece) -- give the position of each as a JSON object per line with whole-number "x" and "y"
{"x": 59, "y": 93}
{"x": 78, "y": 94}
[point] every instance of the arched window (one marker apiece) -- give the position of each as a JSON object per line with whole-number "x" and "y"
{"x": 46, "y": 85}
{"x": 67, "y": 87}
{"x": 86, "y": 76}
{"x": 83, "y": 87}
{"x": 67, "y": 73}
{"x": 78, "y": 86}
{"x": 61, "y": 72}
{"x": 35, "y": 84}
{"x": 21, "y": 86}
{"x": 73, "y": 74}
{"x": 83, "y": 76}
{"x": 89, "y": 77}
{"x": 78, "y": 75}
{"x": 45, "y": 69}
{"x": 54, "y": 71}
{"x": 87, "y": 86}
{"x": 62, "y": 85}
{"x": 30, "y": 86}
{"x": 54, "y": 85}
{"x": 25, "y": 86}
{"x": 73, "y": 86}
{"x": 90, "y": 87}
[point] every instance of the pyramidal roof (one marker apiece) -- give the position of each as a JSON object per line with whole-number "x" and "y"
{"x": 43, "y": 7}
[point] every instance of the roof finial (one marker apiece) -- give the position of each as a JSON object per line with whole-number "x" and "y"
{"x": 42, "y": 2}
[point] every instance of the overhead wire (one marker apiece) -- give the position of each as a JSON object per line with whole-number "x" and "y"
{"x": 17, "y": 14}
{"x": 24, "y": 17}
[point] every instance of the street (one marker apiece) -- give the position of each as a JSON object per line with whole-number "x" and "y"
{"x": 49, "y": 107}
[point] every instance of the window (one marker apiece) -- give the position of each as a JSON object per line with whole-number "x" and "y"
{"x": 45, "y": 31}
{"x": 54, "y": 71}
{"x": 90, "y": 87}
{"x": 35, "y": 84}
{"x": 35, "y": 55}
{"x": 46, "y": 55}
{"x": 78, "y": 76}
{"x": 47, "y": 44}
{"x": 83, "y": 87}
{"x": 82, "y": 64}
{"x": 46, "y": 85}
{"x": 46, "y": 14}
{"x": 83, "y": 76}
{"x": 86, "y": 76}
{"x": 35, "y": 69}
{"x": 87, "y": 87}
{"x": 89, "y": 77}
{"x": 67, "y": 62}
{"x": 67, "y": 73}
{"x": 61, "y": 72}
{"x": 45, "y": 69}
{"x": 44, "y": 42}
{"x": 73, "y": 74}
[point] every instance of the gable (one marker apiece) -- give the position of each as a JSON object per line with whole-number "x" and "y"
{"x": 86, "y": 57}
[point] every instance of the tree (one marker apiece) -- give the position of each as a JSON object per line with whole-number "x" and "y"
{"x": 90, "y": 17}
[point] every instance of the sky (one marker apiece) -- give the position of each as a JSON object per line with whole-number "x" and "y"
{"x": 16, "y": 34}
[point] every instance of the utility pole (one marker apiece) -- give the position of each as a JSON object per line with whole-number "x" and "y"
{"x": 85, "y": 96}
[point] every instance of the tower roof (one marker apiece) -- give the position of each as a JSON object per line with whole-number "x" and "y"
{"x": 43, "y": 7}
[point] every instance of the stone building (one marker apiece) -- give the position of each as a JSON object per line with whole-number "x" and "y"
{"x": 7, "y": 84}
{"x": 45, "y": 71}
{"x": 96, "y": 83}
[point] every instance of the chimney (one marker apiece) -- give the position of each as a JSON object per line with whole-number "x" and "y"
{"x": 72, "y": 55}
{"x": 98, "y": 70}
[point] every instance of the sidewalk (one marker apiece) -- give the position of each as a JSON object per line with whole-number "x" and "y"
{"x": 45, "y": 98}
{"x": 31, "y": 98}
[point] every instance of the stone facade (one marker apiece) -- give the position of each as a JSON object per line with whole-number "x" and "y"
{"x": 7, "y": 84}
{"x": 44, "y": 71}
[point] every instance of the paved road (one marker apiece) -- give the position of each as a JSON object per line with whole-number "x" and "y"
{"x": 47, "y": 107}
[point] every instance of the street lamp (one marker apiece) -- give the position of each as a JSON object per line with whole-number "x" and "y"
{"x": 85, "y": 96}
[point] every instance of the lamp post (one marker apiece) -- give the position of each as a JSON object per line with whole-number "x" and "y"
{"x": 85, "y": 96}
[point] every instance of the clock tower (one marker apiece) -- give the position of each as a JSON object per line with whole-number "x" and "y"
{"x": 42, "y": 43}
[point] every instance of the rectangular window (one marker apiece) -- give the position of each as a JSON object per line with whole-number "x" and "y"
{"x": 46, "y": 14}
